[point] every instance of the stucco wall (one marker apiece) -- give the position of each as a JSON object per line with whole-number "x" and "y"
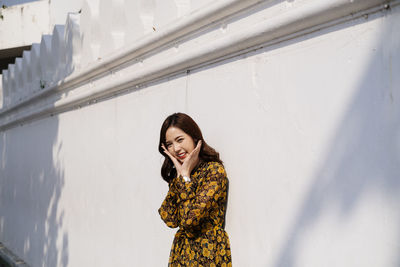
{"x": 308, "y": 129}
{"x": 24, "y": 22}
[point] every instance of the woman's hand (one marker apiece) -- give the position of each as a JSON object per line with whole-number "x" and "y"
{"x": 189, "y": 162}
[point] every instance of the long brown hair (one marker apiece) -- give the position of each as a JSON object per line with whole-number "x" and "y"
{"x": 190, "y": 127}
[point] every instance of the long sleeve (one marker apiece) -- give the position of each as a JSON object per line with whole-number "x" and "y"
{"x": 196, "y": 203}
{"x": 169, "y": 209}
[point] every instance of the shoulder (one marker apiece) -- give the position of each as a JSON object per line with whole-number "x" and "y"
{"x": 215, "y": 169}
{"x": 213, "y": 165}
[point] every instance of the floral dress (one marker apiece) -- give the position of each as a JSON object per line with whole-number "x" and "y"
{"x": 198, "y": 208}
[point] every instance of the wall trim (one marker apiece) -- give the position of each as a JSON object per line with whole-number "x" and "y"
{"x": 148, "y": 43}
{"x": 302, "y": 20}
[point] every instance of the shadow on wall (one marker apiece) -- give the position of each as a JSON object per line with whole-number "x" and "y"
{"x": 31, "y": 180}
{"x": 363, "y": 161}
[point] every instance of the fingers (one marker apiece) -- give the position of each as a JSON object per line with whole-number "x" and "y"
{"x": 196, "y": 150}
{"x": 174, "y": 160}
{"x": 167, "y": 152}
{"x": 195, "y": 153}
{"x": 198, "y": 146}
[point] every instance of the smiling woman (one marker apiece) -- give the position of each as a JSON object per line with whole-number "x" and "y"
{"x": 178, "y": 143}
{"x": 197, "y": 196}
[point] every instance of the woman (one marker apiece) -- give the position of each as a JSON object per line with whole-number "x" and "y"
{"x": 197, "y": 196}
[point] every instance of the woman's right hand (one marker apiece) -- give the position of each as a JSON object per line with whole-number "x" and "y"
{"x": 178, "y": 165}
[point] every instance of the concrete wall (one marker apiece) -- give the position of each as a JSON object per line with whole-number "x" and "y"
{"x": 305, "y": 116}
{"x": 24, "y": 22}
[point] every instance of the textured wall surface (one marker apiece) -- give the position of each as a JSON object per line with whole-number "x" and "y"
{"x": 24, "y": 22}
{"x": 305, "y": 116}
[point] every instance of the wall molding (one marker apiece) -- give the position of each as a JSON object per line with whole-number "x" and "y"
{"x": 107, "y": 77}
{"x": 150, "y": 42}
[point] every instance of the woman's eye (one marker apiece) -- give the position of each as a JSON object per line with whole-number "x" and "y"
{"x": 168, "y": 145}
{"x": 180, "y": 140}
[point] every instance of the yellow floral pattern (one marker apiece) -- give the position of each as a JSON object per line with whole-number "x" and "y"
{"x": 198, "y": 209}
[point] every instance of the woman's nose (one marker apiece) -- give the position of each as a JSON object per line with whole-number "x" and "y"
{"x": 177, "y": 147}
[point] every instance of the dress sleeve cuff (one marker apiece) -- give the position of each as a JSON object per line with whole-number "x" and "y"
{"x": 185, "y": 190}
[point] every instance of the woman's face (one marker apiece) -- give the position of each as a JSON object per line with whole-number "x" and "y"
{"x": 178, "y": 143}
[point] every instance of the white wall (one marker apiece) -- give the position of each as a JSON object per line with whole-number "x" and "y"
{"x": 308, "y": 129}
{"x": 24, "y": 22}
{"x": 59, "y": 10}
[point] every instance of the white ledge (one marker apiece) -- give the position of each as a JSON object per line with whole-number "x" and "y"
{"x": 151, "y": 42}
{"x": 306, "y": 18}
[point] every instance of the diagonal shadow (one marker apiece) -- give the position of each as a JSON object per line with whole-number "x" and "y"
{"x": 364, "y": 155}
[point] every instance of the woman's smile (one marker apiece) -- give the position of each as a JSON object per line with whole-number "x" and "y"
{"x": 182, "y": 155}
{"x": 178, "y": 143}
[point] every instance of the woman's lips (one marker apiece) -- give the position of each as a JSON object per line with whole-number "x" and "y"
{"x": 182, "y": 155}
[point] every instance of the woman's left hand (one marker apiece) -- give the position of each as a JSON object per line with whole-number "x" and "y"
{"x": 191, "y": 160}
